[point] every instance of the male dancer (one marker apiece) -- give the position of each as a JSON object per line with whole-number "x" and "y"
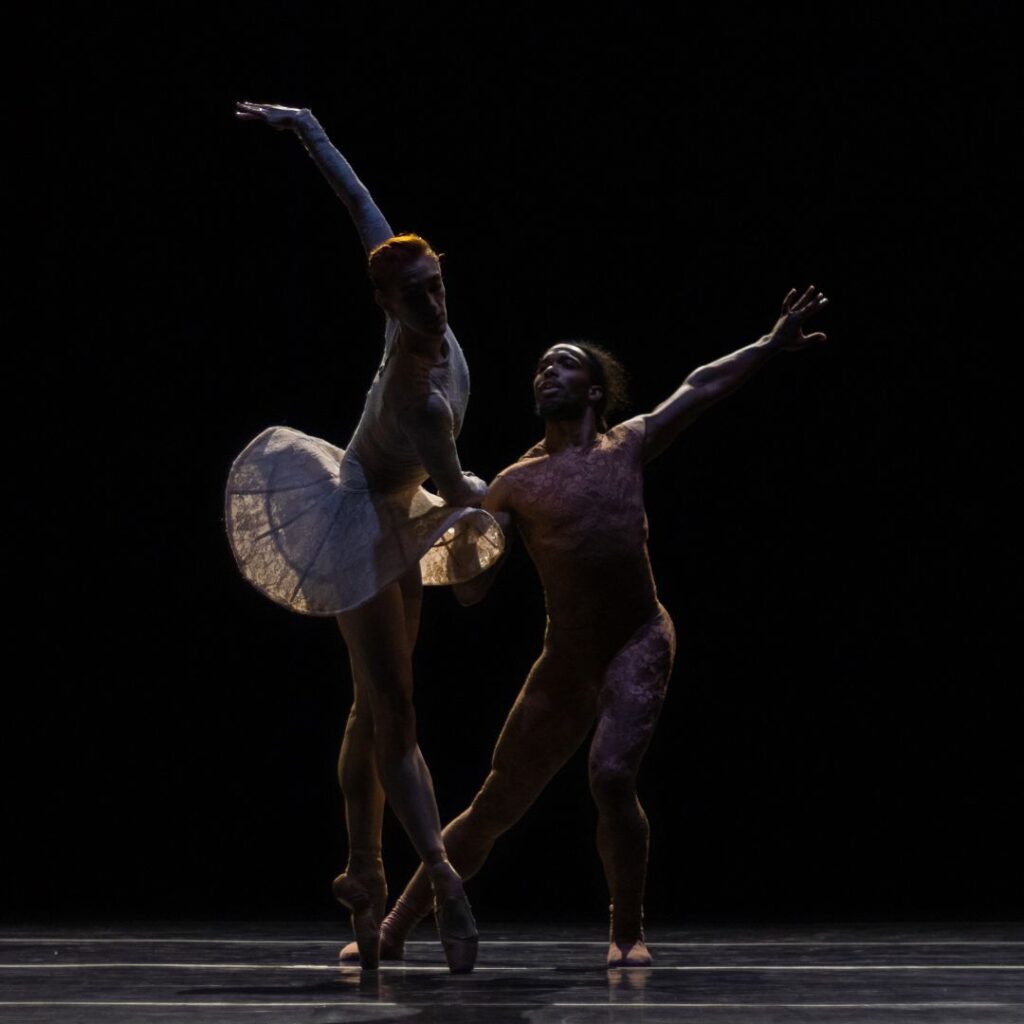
{"x": 577, "y": 500}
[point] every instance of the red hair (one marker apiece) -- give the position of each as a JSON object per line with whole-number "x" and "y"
{"x": 393, "y": 253}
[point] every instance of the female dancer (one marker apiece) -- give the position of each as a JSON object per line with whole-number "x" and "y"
{"x": 351, "y": 533}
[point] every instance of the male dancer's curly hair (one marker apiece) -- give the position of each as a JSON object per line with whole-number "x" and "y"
{"x": 386, "y": 258}
{"x": 607, "y": 371}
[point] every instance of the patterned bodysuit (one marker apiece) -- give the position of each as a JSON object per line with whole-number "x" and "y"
{"x": 608, "y": 652}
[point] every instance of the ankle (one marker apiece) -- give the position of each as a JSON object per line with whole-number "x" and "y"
{"x": 625, "y": 929}
{"x": 403, "y": 918}
{"x": 364, "y": 865}
{"x": 440, "y": 870}
{"x": 445, "y": 881}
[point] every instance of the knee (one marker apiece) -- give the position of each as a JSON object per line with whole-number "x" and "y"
{"x": 360, "y": 721}
{"x": 394, "y": 727}
{"x": 612, "y": 785}
{"x": 494, "y": 810}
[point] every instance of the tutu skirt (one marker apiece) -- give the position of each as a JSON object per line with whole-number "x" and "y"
{"x": 308, "y": 530}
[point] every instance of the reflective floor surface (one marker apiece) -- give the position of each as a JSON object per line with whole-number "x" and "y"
{"x": 918, "y": 974}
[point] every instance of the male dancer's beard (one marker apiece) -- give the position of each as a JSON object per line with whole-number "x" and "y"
{"x": 560, "y": 407}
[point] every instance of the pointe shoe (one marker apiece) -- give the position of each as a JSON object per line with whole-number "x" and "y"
{"x": 365, "y": 901}
{"x": 457, "y": 930}
{"x": 634, "y": 954}
{"x": 394, "y": 929}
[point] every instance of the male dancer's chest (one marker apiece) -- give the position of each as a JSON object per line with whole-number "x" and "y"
{"x": 588, "y": 502}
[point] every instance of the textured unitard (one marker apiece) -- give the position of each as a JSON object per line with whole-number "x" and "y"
{"x": 607, "y": 656}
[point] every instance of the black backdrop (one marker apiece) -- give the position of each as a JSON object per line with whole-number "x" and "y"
{"x": 838, "y": 543}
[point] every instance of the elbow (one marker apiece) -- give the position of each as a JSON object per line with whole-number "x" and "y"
{"x": 459, "y": 496}
{"x": 703, "y": 379}
{"x": 707, "y": 389}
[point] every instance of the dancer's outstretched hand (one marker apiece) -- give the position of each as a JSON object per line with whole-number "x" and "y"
{"x": 786, "y": 333}
{"x": 281, "y": 118}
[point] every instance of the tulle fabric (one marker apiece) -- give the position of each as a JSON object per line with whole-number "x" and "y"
{"x": 316, "y": 531}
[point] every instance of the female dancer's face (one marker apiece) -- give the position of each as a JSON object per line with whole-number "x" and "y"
{"x": 415, "y": 297}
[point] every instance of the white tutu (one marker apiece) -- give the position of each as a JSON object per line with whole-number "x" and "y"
{"x": 310, "y": 532}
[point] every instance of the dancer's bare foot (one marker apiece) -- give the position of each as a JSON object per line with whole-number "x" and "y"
{"x": 626, "y": 954}
{"x": 626, "y": 944}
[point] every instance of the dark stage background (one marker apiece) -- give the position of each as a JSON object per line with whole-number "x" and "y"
{"x": 838, "y": 543}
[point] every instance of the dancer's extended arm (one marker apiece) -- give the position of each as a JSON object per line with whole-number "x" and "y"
{"x": 430, "y": 428}
{"x": 707, "y": 384}
{"x": 497, "y": 503}
{"x": 371, "y": 224}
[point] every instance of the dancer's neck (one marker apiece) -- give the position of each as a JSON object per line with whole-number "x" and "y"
{"x": 578, "y": 433}
{"x": 430, "y": 346}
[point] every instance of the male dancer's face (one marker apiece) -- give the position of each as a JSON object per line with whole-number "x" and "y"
{"x": 562, "y": 385}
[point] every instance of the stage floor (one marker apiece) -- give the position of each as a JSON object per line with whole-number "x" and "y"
{"x": 883, "y": 974}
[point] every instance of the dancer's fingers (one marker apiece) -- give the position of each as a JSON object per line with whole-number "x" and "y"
{"x": 812, "y": 307}
{"x": 250, "y": 112}
{"x": 789, "y": 298}
{"x": 816, "y": 303}
{"x": 802, "y": 301}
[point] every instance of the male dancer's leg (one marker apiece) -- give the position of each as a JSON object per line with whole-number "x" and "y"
{"x": 628, "y": 708}
{"x": 547, "y": 724}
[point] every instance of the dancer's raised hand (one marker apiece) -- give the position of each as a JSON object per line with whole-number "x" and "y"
{"x": 281, "y": 118}
{"x": 371, "y": 224}
{"x": 787, "y": 333}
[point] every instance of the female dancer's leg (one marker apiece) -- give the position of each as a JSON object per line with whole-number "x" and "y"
{"x": 362, "y": 887}
{"x": 357, "y": 762}
{"x": 380, "y": 637}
